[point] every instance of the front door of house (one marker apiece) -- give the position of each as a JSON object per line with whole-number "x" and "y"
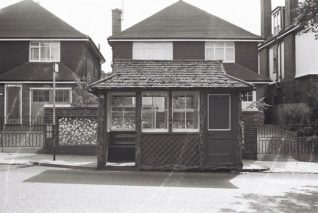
{"x": 13, "y": 104}
{"x": 221, "y": 129}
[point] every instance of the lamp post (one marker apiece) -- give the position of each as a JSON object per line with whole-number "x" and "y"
{"x": 55, "y": 70}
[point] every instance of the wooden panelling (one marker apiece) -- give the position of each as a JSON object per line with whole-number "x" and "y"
{"x": 246, "y": 54}
{"x": 122, "y": 50}
{"x": 170, "y": 151}
{"x": 13, "y": 54}
{"x": 188, "y": 50}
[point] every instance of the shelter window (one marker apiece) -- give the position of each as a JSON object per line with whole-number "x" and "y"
{"x": 123, "y": 112}
{"x": 155, "y": 111}
{"x": 185, "y": 106}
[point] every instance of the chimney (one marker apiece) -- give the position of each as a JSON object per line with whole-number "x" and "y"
{"x": 266, "y": 18}
{"x": 290, "y": 12}
{"x": 116, "y": 18}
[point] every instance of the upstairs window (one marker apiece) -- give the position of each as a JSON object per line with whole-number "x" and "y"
{"x": 220, "y": 50}
{"x": 277, "y": 20}
{"x": 44, "y": 51}
{"x": 152, "y": 51}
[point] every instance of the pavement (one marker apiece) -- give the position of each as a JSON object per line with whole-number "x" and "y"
{"x": 89, "y": 162}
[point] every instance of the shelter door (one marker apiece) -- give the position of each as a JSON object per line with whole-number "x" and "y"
{"x": 221, "y": 140}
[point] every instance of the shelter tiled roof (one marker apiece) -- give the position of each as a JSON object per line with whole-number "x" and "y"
{"x": 32, "y": 71}
{"x": 241, "y": 72}
{"x": 168, "y": 74}
{"x": 28, "y": 19}
{"x": 184, "y": 21}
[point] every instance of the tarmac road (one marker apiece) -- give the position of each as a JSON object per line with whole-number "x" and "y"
{"x": 46, "y": 189}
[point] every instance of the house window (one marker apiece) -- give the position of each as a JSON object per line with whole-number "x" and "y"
{"x": 41, "y": 96}
{"x": 154, "y": 111}
{"x": 277, "y": 22}
{"x": 123, "y": 112}
{"x": 185, "y": 106}
{"x": 277, "y": 62}
{"x": 62, "y": 96}
{"x": 44, "y": 51}
{"x": 248, "y": 100}
{"x": 46, "y": 95}
{"x": 219, "y": 50}
{"x": 153, "y": 51}
{"x": 219, "y": 113}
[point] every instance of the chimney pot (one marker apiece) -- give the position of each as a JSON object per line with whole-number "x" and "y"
{"x": 116, "y": 19}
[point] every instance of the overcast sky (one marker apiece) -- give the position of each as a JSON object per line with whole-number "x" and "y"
{"x": 93, "y": 17}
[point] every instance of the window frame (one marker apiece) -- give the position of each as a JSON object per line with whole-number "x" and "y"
{"x": 185, "y": 130}
{"x": 164, "y": 48}
{"x": 149, "y": 130}
{"x": 40, "y": 43}
{"x": 245, "y": 104}
{"x": 124, "y": 94}
{"x": 69, "y": 89}
{"x": 230, "y": 113}
{"x": 209, "y": 46}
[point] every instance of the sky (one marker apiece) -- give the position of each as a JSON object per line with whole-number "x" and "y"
{"x": 93, "y": 17}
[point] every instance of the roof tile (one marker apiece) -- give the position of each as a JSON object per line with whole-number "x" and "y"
{"x": 168, "y": 74}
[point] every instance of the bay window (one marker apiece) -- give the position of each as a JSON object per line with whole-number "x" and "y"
{"x": 123, "y": 112}
{"x": 154, "y": 111}
{"x": 185, "y": 106}
{"x": 220, "y": 50}
{"x": 41, "y": 51}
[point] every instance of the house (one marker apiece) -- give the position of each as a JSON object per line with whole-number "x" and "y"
{"x": 32, "y": 42}
{"x": 288, "y": 58}
{"x": 174, "y": 96}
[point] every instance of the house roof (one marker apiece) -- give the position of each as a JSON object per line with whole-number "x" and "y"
{"x": 32, "y": 71}
{"x": 27, "y": 19}
{"x": 168, "y": 74}
{"x": 184, "y": 21}
{"x": 241, "y": 72}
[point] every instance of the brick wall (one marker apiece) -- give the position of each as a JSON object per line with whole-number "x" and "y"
{"x": 67, "y": 149}
{"x": 251, "y": 121}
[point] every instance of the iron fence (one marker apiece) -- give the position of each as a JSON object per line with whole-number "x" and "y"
{"x": 23, "y": 132}
{"x": 290, "y": 139}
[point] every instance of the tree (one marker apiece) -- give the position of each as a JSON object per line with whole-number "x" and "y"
{"x": 308, "y": 16}
{"x": 83, "y": 97}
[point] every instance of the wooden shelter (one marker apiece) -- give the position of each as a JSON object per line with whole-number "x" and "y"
{"x": 176, "y": 114}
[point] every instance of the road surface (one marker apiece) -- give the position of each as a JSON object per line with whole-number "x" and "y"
{"x": 45, "y": 189}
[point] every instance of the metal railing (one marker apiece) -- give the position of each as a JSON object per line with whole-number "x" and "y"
{"x": 292, "y": 139}
{"x": 21, "y": 132}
